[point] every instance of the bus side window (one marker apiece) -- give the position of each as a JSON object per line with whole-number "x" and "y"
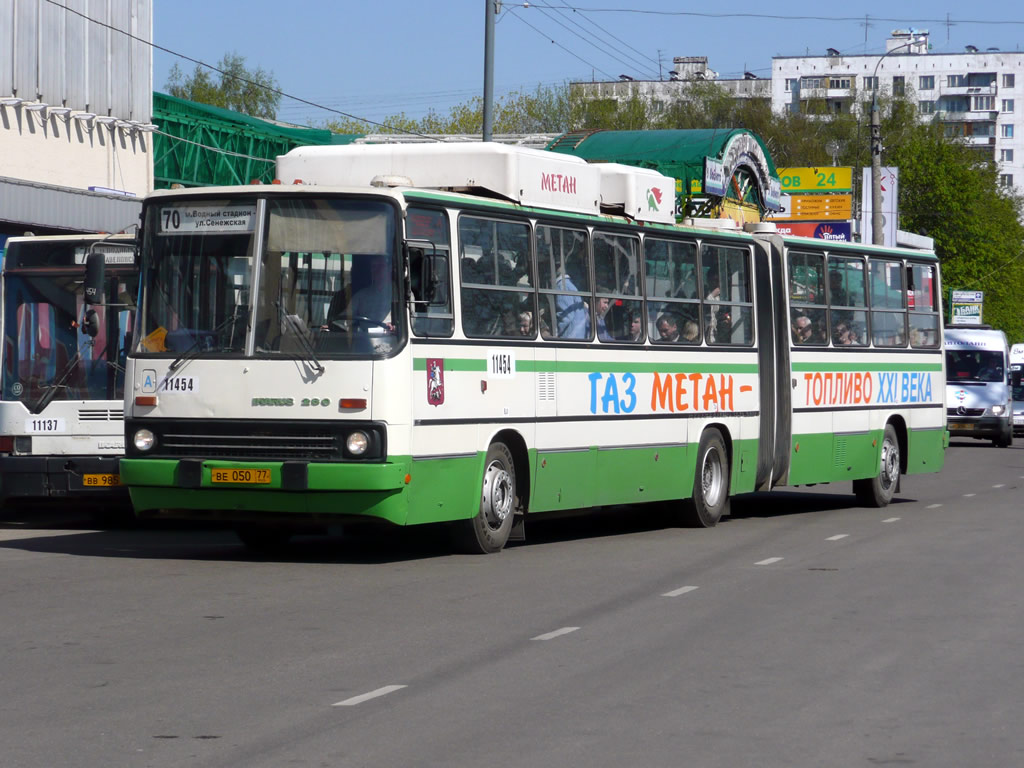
{"x": 434, "y": 318}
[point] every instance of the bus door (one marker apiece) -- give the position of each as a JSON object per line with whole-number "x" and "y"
{"x": 776, "y": 425}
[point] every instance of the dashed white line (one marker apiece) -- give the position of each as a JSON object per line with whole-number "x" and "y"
{"x": 968, "y": 495}
{"x": 678, "y": 592}
{"x": 1001, "y": 485}
{"x": 769, "y": 561}
{"x": 890, "y": 520}
{"x": 556, "y": 633}
{"x": 837, "y": 537}
{"x": 367, "y": 696}
{"x": 933, "y": 506}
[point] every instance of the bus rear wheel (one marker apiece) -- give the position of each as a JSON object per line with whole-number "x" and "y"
{"x": 488, "y": 530}
{"x": 710, "y": 483}
{"x": 878, "y": 491}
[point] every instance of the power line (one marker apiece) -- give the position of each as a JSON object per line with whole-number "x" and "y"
{"x": 266, "y": 87}
{"x": 585, "y": 39}
{"x": 553, "y": 42}
{"x": 775, "y": 16}
{"x": 640, "y": 53}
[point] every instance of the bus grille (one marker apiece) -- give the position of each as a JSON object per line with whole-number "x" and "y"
{"x": 100, "y": 414}
{"x": 965, "y": 411}
{"x": 285, "y": 444}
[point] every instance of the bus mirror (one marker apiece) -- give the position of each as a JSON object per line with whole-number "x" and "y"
{"x": 91, "y": 323}
{"x": 95, "y": 277}
{"x": 427, "y": 273}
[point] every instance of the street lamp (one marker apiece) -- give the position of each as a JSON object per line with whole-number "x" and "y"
{"x": 877, "y": 237}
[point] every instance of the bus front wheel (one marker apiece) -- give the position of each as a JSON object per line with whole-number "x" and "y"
{"x": 710, "y": 482}
{"x": 488, "y": 530}
{"x": 878, "y": 491}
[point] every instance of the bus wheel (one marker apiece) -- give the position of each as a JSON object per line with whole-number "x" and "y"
{"x": 263, "y": 539}
{"x": 878, "y": 491}
{"x": 710, "y": 482}
{"x": 489, "y": 529}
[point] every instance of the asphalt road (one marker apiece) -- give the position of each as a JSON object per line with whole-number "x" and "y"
{"x": 802, "y": 631}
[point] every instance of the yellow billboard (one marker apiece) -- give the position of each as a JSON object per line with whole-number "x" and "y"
{"x": 828, "y": 178}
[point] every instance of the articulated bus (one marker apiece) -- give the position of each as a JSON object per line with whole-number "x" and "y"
{"x": 62, "y": 394}
{"x": 474, "y": 334}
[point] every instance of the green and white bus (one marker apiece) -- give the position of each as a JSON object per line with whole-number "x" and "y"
{"x": 475, "y": 334}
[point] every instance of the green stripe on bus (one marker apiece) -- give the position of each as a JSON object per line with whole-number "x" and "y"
{"x": 580, "y": 366}
{"x": 867, "y": 366}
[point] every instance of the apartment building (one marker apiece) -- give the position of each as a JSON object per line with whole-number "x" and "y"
{"x": 977, "y": 95}
{"x": 686, "y": 71}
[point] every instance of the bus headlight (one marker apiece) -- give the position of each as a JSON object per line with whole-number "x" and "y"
{"x": 998, "y": 410}
{"x": 357, "y": 443}
{"x": 144, "y": 439}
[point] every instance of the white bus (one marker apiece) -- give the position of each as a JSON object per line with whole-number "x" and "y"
{"x": 62, "y": 395}
{"x": 978, "y": 387}
{"x": 479, "y": 333}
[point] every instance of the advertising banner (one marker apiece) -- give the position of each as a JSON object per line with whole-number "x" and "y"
{"x": 824, "y": 179}
{"x": 837, "y": 231}
{"x": 965, "y": 307}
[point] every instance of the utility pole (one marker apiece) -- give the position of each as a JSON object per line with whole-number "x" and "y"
{"x": 491, "y": 6}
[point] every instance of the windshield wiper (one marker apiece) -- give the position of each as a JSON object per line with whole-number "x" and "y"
{"x": 51, "y": 390}
{"x": 297, "y": 330}
{"x": 197, "y": 347}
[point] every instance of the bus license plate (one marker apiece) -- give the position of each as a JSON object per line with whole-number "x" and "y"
{"x": 961, "y": 426}
{"x": 101, "y": 481}
{"x": 242, "y": 475}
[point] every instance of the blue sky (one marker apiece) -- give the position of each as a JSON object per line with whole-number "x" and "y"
{"x": 374, "y": 58}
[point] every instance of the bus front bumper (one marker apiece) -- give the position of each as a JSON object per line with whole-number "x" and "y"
{"x": 56, "y": 477}
{"x": 190, "y": 489}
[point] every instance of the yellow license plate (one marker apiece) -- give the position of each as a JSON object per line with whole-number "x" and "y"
{"x": 961, "y": 426}
{"x": 244, "y": 475}
{"x": 100, "y": 481}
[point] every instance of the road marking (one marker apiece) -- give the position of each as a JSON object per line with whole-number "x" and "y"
{"x": 371, "y": 695}
{"x": 933, "y": 506}
{"x": 556, "y": 633}
{"x": 678, "y": 592}
{"x": 1001, "y": 485}
{"x": 837, "y": 537}
{"x": 968, "y": 495}
{"x": 890, "y": 520}
{"x": 769, "y": 561}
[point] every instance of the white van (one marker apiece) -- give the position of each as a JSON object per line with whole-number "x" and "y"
{"x": 1016, "y": 374}
{"x": 978, "y": 397}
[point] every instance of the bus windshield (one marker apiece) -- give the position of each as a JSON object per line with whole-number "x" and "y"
{"x": 326, "y": 274}
{"x": 977, "y": 365}
{"x": 46, "y": 354}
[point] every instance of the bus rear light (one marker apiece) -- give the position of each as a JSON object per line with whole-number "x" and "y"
{"x": 276, "y": 181}
{"x": 23, "y": 444}
{"x": 6, "y": 444}
{"x": 351, "y": 403}
{"x": 149, "y": 400}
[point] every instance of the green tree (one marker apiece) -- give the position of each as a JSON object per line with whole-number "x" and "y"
{"x": 546, "y": 110}
{"x": 250, "y": 91}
